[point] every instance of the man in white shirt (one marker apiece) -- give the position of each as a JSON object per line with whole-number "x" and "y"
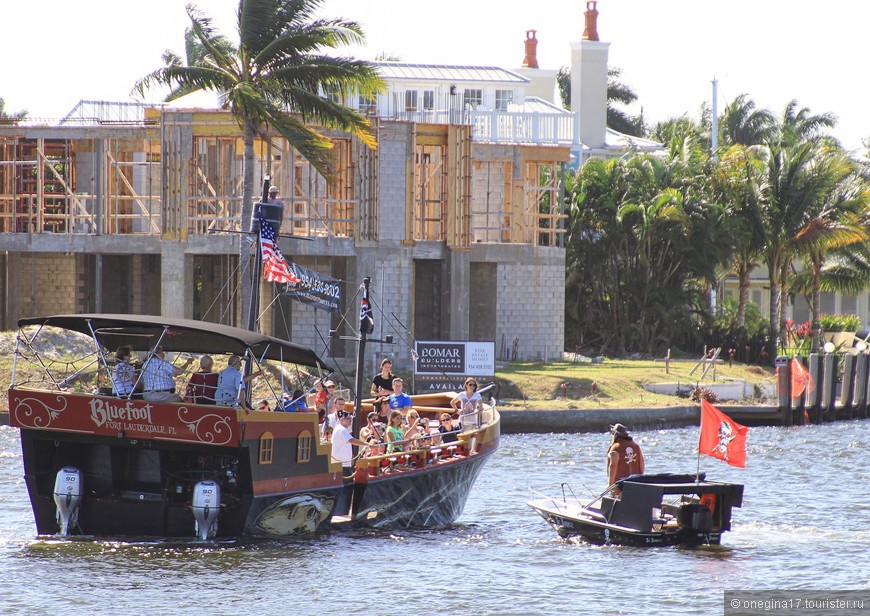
{"x": 342, "y": 441}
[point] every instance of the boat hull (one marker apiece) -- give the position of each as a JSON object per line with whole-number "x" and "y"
{"x": 427, "y": 498}
{"x": 141, "y": 484}
{"x": 608, "y": 534}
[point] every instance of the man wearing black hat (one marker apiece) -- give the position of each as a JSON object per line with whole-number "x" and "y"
{"x": 624, "y": 457}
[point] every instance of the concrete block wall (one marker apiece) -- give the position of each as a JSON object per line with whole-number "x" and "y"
{"x": 393, "y": 153}
{"x": 531, "y": 307}
{"x": 48, "y": 284}
{"x": 487, "y": 201}
{"x": 309, "y": 325}
{"x": 392, "y": 293}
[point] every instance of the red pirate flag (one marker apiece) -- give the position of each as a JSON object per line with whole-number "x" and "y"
{"x": 800, "y": 378}
{"x": 721, "y": 436}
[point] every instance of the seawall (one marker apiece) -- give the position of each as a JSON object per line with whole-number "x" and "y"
{"x": 599, "y": 420}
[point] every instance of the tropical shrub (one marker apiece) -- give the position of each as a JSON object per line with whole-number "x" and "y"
{"x": 839, "y": 322}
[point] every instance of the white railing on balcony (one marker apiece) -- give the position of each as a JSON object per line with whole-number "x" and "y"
{"x": 490, "y": 126}
{"x": 517, "y": 127}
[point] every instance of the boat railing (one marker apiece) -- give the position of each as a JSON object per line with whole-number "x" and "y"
{"x": 416, "y": 454}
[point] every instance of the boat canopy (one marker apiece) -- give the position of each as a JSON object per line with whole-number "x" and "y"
{"x": 142, "y": 332}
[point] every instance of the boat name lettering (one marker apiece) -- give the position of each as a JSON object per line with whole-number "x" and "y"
{"x": 103, "y": 411}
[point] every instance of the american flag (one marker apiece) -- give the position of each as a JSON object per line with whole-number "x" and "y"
{"x": 275, "y": 267}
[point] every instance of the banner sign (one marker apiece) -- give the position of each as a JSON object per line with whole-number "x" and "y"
{"x": 445, "y": 364}
{"x": 319, "y": 290}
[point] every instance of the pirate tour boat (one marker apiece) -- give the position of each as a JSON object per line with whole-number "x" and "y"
{"x": 652, "y": 510}
{"x": 99, "y": 464}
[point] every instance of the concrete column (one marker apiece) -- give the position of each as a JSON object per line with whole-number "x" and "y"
{"x": 459, "y": 295}
{"x": 176, "y": 287}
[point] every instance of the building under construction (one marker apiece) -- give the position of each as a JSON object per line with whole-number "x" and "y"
{"x": 141, "y": 213}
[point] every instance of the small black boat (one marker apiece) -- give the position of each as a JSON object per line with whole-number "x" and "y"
{"x": 652, "y": 510}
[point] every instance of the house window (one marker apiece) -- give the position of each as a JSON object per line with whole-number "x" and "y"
{"x": 503, "y": 98}
{"x": 472, "y": 98}
{"x": 827, "y": 303}
{"x": 756, "y": 298}
{"x": 303, "y": 447}
{"x": 367, "y": 105}
{"x": 266, "y": 448}
{"x": 332, "y": 93}
{"x": 848, "y": 304}
{"x": 411, "y": 100}
{"x": 428, "y": 100}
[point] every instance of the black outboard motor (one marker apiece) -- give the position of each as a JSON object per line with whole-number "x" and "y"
{"x": 695, "y": 517}
{"x": 273, "y": 213}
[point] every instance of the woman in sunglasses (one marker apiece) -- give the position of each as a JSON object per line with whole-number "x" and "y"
{"x": 469, "y": 403}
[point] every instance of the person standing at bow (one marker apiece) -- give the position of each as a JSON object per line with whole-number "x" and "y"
{"x": 382, "y": 383}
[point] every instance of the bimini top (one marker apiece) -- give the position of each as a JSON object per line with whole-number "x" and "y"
{"x": 142, "y": 333}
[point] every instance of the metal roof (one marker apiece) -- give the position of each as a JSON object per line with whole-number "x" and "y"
{"x": 444, "y": 72}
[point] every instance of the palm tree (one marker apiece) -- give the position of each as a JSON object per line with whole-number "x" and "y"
{"x": 839, "y": 228}
{"x": 799, "y": 125}
{"x": 737, "y": 181}
{"x": 10, "y": 118}
{"x": 802, "y": 213}
{"x": 277, "y": 67}
{"x": 742, "y": 123}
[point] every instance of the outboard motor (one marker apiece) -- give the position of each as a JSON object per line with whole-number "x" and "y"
{"x": 206, "y": 505}
{"x": 695, "y": 517}
{"x": 67, "y": 497}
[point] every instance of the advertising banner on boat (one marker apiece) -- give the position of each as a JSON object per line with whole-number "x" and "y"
{"x": 319, "y": 290}
{"x": 445, "y": 364}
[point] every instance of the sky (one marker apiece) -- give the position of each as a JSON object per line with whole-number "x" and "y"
{"x": 57, "y": 52}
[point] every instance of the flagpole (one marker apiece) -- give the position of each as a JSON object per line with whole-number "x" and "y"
{"x": 700, "y": 423}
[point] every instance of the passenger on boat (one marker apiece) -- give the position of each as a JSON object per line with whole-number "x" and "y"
{"x": 231, "y": 384}
{"x": 417, "y": 429}
{"x": 203, "y": 383}
{"x": 373, "y": 434}
{"x": 295, "y": 403}
{"x": 624, "y": 457}
{"x": 320, "y": 399}
{"x": 158, "y": 377}
{"x": 342, "y": 440}
{"x": 332, "y": 419}
{"x": 448, "y": 432}
{"x": 381, "y": 406}
{"x": 395, "y": 431}
{"x": 124, "y": 374}
{"x": 263, "y": 405}
{"x": 331, "y": 397}
{"x": 399, "y": 400}
{"x": 382, "y": 384}
{"x": 469, "y": 403}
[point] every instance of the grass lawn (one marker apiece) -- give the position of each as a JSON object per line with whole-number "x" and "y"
{"x": 618, "y": 383}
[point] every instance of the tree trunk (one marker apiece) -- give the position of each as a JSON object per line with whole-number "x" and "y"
{"x": 772, "y": 277}
{"x": 744, "y": 273}
{"x": 816, "y": 263}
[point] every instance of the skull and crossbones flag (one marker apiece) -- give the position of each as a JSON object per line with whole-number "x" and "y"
{"x": 721, "y": 436}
